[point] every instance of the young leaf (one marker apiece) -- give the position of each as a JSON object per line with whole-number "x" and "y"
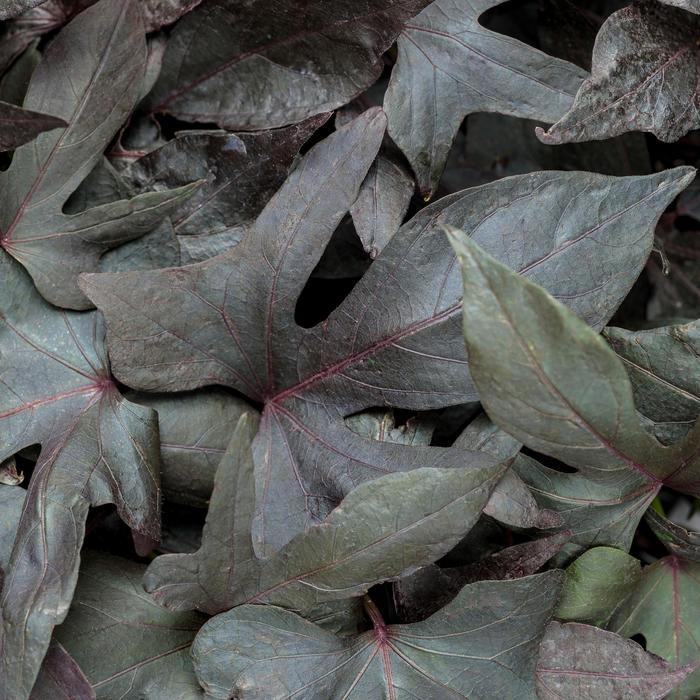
{"x": 395, "y": 340}
{"x": 646, "y": 67}
{"x": 449, "y": 66}
{"x": 90, "y": 76}
{"x": 596, "y": 583}
{"x": 553, "y": 383}
{"x": 220, "y": 54}
{"x": 18, "y": 126}
{"x": 664, "y": 367}
{"x": 380, "y": 531}
{"x": 268, "y": 652}
{"x": 587, "y": 663}
{"x": 195, "y": 429}
{"x": 148, "y": 647}
{"x": 242, "y": 172}
{"x": 95, "y": 448}
{"x": 665, "y": 608}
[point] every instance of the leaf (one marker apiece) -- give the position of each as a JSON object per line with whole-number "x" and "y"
{"x": 267, "y": 652}
{"x": 381, "y": 204}
{"x": 18, "y": 126}
{"x": 89, "y": 76}
{"x": 644, "y": 78}
{"x": 690, "y": 5}
{"x": 664, "y": 367}
{"x": 587, "y": 663}
{"x": 148, "y": 646}
{"x": 61, "y": 676}
{"x": 394, "y": 341}
{"x": 595, "y": 584}
{"x": 159, "y": 13}
{"x": 11, "y": 502}
{"x": 379, "y": 532}
{"x": 12, "y": 8}
{"x": 195, "y": 430}
{"x": 220, "y": 54}
{"x": 677, "y": 540}
{"x": 96, "y": 448}
{"x": 450, "y": 66}
{"x": 242, "y": 172}
{"x": 665, "y": 609}
{"x": 427, "y": 590}
{"x": 553, "y": 383}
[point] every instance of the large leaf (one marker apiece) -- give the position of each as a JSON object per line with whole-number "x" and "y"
{"x": 95, "y": 448}
{"x": 646, "y": 67}
{"x": 664, "y": 368}
{"x": 17, "y": 125}
{"x": 449, "y": 66}
{"x": 90, "y": 77}
{"x": 380, "y": 531}
{"x": 128, "y": 647}
{"x": 60, "y": 676}
{"x": 195, "y": 430}
{"x": 553, "y": 383}
{"x": 271, "y": 653}
{"x": 241, "y": 173}
{"x": 221, "y": 53}
{"x": 587, "y": 663}
{"x": 395, "y": 340}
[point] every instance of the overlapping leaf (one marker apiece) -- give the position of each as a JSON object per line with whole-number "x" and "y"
{"x": 394, "y": 341}
{"x": 127, "y": 646}
{"x": 95, "y": 448}
{"x": 260, "y": 65}
{"x": 90, "y": 76}
{"x": 449, "y": 66}
{"x": 587, "y": 663}
{"x": 269, "y": 652}
{"x": 646, "y": 68}
{"x": 380, "y": 531}
{"x": 18, "y": 126}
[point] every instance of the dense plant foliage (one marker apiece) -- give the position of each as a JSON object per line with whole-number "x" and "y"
{"x": 349, "y": 349}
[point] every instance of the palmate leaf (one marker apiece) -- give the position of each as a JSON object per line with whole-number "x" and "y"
{"x": 664, "y": 367}
{"x": 450, "y": 66}
{"x": 645, "y": 75}
{"x": 481, "y": 646}
{"x": 128, "y": 647}
{"x": 96, "y": 448}
{"x": 379, "y": 532}
{"x": 221, "y": 54}
{"x": 90, "y": 76}
{"x": 587, "y": 663}
{"x": 394, "y": 341}
{"x": 553, "y": 383}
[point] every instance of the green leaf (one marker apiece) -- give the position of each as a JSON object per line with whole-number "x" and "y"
{"x": 128, "y": 647}
{"x": 380, "y": 531}
{"x": 90, "y": 77}
{"x": 664, "y": 367}
{"x": 449, "y": 66}
{"x": 665, "y": 608}
{"x": 644, "y": 78}
{"x": 596, "y": 583}
{"x": 267, "y": 652}
{"x": 587, "y": 663}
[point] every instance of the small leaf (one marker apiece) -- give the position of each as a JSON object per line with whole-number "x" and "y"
{"x": 271, "y": 653}
{"x": 596, "y": 583}
{"x": 587, "y": 663}
{"x": 645, "y": 73}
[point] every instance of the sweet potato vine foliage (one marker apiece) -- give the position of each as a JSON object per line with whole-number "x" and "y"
{"x": 349, "y": 349}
